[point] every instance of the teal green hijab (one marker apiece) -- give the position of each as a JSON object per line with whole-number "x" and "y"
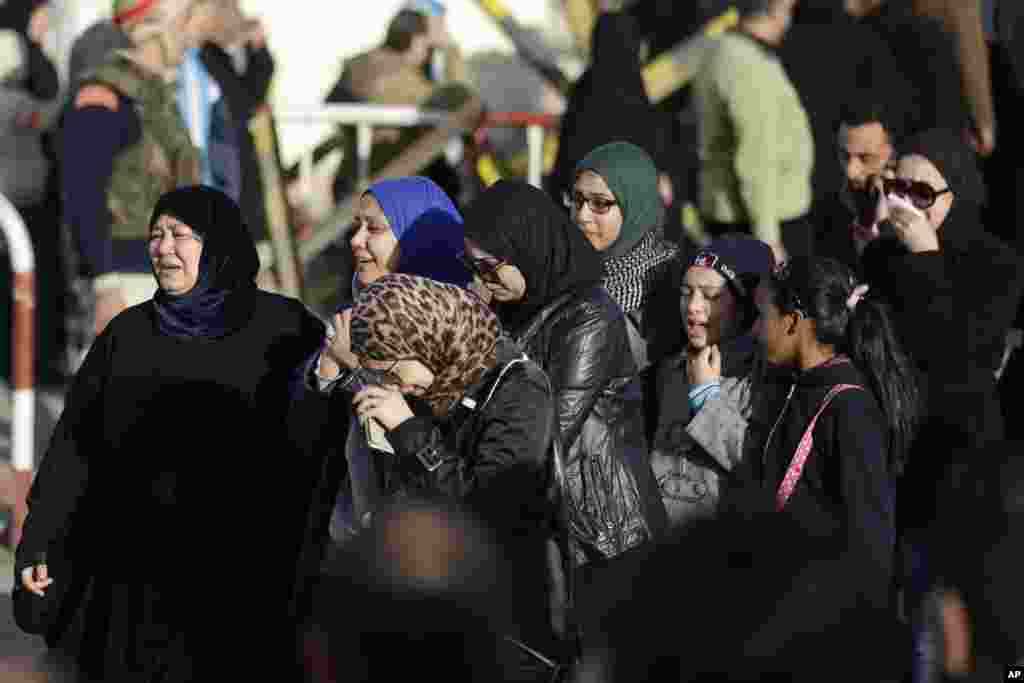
{"x": 632, "y": 177}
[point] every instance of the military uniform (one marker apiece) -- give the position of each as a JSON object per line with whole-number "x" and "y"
{"x": 162, "y": 160}
{"x": 159, "y": 160}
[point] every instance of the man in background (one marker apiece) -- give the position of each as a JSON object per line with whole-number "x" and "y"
{"x": 755, "y": 143}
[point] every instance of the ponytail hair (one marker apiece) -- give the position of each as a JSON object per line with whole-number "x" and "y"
{"x": 860, "y": 326}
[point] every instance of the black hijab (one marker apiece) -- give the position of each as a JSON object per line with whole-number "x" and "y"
{"x": 221, "y": 300}
{"x": 958, "y": 165}
{"x": 819, "y": 12}
{"x": 963, "y": 225}
{"x": 609, "y": 102}
{"x": 519, "y": 224}
{"x": 951, "y": 156}
{"x": 16, "y": 14}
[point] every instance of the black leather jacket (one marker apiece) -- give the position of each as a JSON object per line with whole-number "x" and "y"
{"x": 580, "y": 340}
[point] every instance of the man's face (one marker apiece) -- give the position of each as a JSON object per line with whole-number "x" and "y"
{"x": 864, "y": 151}
{"x": 419, "y": 49}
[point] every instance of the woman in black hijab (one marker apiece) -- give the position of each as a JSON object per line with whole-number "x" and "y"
{"x": 149, "y": 485}
{"x": 953, "y": 287}
{"x": 609, "y": 103}
{"x": 29, "y": 19}
{"x": 545, "y": 277}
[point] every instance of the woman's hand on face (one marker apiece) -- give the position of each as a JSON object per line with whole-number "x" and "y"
{"x": 912, "y": 226}
{"x": 338, "y": 349}
{"x": 384, "y": 404}
{"x": 36, "y": 579}
{"x": 477, "y": 286}
{"x": 705, "y": 366}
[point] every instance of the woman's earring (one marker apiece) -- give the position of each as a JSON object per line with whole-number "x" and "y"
{"x": 798, "y": 315}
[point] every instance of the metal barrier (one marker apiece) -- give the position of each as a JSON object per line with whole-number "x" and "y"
{"x": 365, "y": 117}
{"x": 23, "y": 294}
{"x": 535, "y": 125}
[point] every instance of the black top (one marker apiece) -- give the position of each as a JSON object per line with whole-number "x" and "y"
{"x": 926, "y": 56}
{"x": 609, "y": 103}
{"x": 845, "y": 487}
{"x": 157, "y": 482}
{"x": 582, "y": 342}
{"x": 952, "y": 309}
{"x": 833, "y": 233}
{"x": 244, "y": 94}
{"x": 496, "y": 461}
{"x": 858, "y": 59}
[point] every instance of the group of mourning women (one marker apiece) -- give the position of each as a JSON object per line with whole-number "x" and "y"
{"x": 561, "y": 374}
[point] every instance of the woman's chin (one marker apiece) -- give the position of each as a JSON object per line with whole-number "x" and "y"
{"x": 173, "y": 284}
{"x": 368, "y": 277}
{"x": 698, "y": 342}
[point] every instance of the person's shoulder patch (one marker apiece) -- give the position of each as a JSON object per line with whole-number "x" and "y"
{"x": 96, "y": 96}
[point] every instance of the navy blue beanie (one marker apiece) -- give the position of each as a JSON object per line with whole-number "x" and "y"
{"x": 741, "y": 259}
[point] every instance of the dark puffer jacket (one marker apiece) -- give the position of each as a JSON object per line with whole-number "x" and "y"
{"x": 580, "y": 339}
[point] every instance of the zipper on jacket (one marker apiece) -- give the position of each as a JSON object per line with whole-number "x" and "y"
{"x": 771, "y": 434}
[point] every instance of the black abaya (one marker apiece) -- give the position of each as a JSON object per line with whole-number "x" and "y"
{"x": 184, "y": 491}
{"x": 182, "y": 479}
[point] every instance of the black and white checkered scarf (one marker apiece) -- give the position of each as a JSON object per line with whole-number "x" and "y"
{"x": 630, "y": 278}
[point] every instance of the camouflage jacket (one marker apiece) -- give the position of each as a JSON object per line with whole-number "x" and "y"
{"x": 161, "y": 160}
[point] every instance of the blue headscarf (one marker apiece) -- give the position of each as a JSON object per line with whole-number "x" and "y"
{"x": 221, "y": 300}
{"x": 429, "y": 231}
{"x": 427, "y": 226}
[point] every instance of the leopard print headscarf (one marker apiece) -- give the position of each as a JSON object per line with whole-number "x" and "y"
{"x": 448, "y": 329}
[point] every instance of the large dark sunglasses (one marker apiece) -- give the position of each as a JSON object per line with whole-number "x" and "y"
{"x": 486, "y": 268}
{"x": 362, "y": 377}
{"x": 598, "y": 205}
{"x": 921, "y": 195}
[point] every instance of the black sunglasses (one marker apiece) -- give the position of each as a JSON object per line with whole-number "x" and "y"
{"x": 921, "y": 194}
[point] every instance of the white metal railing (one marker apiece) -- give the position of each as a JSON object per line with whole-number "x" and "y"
{"x": 23, "y": 295}
{"x": 366, "y": 117}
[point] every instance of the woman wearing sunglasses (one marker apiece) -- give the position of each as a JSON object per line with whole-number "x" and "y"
{"x": 953, "y": 289}
{"x": 545, "y": 278}
{"x": 405, "y": 225}
{"x": 615, "y": 202}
